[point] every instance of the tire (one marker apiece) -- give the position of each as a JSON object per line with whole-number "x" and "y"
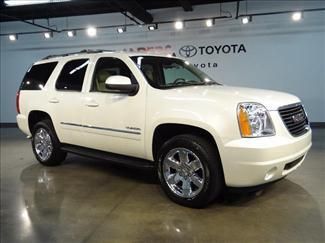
{"x": 46, "y": 145}
{"x": 192, "y": 184}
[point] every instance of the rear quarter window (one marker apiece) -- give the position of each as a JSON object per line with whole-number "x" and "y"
{"x": 37, "y": 76}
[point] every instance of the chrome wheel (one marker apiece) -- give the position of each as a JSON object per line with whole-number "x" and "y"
{"x": 183, "y": 172}
{"x": 43, "y": 144}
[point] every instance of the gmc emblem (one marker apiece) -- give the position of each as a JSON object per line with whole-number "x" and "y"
{"x": 298, "y": 117}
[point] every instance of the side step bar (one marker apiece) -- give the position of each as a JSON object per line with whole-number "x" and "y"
{"x": 111, "y": 157}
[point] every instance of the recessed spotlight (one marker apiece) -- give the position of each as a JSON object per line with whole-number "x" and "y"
{"x": 246, "y": 19}
{"x": 179, "y": 25}
{"x": 71, "y": 33}
{"x": 48, "y": 35}
{"x": 153, "y": 27}
{"x": 121, "y": 29}
{"x": 209, "y": 22}
{"x": 296, "y": 16}
{"x": 13, "y": 37}
{"x": 91, "y": 31}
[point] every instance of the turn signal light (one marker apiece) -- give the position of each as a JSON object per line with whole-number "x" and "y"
{"x": 244, "y": 124}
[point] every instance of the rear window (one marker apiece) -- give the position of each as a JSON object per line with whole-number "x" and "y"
{"x": 37, "y": 76}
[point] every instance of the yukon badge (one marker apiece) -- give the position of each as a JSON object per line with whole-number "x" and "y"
{"x": 133, "y": 128}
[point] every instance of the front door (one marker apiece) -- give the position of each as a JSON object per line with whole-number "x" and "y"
{"x": 113, "y": 122}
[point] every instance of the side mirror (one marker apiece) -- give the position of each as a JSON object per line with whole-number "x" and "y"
{"x": 121, "y": 84}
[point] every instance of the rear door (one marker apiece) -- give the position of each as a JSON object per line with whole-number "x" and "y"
{"x": 66, "y": 98}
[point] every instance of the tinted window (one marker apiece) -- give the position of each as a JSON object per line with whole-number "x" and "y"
{"x": 37, "y": 76}
{"x": 72, "y": 75}
{"x": 106, "y": 67}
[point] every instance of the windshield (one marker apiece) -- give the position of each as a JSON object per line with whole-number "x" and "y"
{"x": 166, "y": 72}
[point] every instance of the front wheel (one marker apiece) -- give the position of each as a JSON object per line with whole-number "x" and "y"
{"x": 190, "y": 171}
{"x": 46, "y": 145}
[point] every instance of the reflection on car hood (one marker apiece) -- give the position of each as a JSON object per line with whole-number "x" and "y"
{"x": 272, "y": 100}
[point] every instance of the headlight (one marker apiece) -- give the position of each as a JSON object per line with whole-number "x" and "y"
{"x": 254, "y": 120}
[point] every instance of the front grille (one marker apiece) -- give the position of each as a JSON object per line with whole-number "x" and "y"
{"x": 295, "y": 119}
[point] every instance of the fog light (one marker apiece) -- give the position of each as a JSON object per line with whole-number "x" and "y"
{"x": 270, "y": 174}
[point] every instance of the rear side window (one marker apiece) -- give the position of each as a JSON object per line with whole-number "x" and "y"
{"x": 72, "y": 75}
{"x": 37, "y": 76}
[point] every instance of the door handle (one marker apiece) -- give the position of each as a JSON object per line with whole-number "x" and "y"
{"x": 54, "y": 100}
{"x": 92, "y": 104}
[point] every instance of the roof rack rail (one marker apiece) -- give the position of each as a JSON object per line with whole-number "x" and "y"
{"x": 85, "y": 51}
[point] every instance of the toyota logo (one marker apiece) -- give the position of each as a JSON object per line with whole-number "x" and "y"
{"x": 188, "y": 51}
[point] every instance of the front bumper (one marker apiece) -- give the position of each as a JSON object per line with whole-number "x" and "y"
{"x": 254, "y": 161}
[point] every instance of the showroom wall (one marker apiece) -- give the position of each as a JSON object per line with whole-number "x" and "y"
{"x": 272, "y": 52}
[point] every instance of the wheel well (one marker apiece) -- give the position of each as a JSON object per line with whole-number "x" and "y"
{"x": 36, "y": 116}
{"x": 166, "y": 131}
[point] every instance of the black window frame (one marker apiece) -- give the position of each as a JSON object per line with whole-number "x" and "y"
{"x": 83, "y": 81}
{"x": 92, "y": 89}
{"x": 44, "y": 82}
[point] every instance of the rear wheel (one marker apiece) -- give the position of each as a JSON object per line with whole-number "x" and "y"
{"x": 46, "y": 145}
{"x": 190, "y": 171}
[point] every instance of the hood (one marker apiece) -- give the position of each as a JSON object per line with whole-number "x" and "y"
{"x": 272, "y": 100}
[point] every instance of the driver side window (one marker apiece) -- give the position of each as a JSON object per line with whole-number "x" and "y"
{"x": 106, "y": 67}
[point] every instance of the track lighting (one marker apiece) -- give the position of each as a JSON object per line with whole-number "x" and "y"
{"x": 13, "y": 37}
{"x": 179, "y": 25}
{"x": 246, "y": 19}
{"x": 296, "y": 16}
{"x": 153, "y": 27}
{"x": 48, "y": 35}
{"x": 121, "y": 29}
{"x": 91, "y": 31}
{"x": 71, "y": 33}
{"x": 209, "y": 22}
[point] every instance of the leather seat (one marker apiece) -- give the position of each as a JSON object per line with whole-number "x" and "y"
{"x": 101, "y": 77}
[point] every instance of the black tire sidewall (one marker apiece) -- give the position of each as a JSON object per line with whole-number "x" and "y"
{"x": 213, "y": 176}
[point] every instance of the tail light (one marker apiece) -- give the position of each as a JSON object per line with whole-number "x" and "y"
{"x": 17, "y": 102}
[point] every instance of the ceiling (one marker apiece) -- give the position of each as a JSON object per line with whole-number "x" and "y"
{"x": 138, "y": 8}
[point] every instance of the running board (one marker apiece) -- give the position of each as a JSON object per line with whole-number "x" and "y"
{"x": 111, "y": 157}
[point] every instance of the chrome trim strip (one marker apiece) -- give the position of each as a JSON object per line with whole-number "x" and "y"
{"x": 100, "y": 128}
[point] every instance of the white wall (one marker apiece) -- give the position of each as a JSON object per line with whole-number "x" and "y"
{"x": 280, "y": 54}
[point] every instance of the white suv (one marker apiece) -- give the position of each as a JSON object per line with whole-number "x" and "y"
{"x": 146, "y": 110}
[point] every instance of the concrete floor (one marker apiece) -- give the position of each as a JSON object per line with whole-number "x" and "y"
{"x": 87, "y": 200}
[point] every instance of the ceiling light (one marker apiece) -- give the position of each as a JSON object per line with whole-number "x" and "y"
{"x": 153, "y": 27}
{"x": 11, "y": 3}
{"x": 179, "y": 25}
{"x": 296, "y": 16}
{"x": 91, "y": 31}
{"x": 71, "y": 33}
{"x": 246, "y": 19}
{"x": 48, "y": 35}
{"x": 121, "y": 29}
{"x": 13, "y": 37}
{"x": 209, "y": 22}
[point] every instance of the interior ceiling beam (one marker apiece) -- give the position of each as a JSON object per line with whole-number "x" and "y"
{"x": 134, "y": 8}
{"x": 30, "y": 23}
{"x": 187, "y": 6}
